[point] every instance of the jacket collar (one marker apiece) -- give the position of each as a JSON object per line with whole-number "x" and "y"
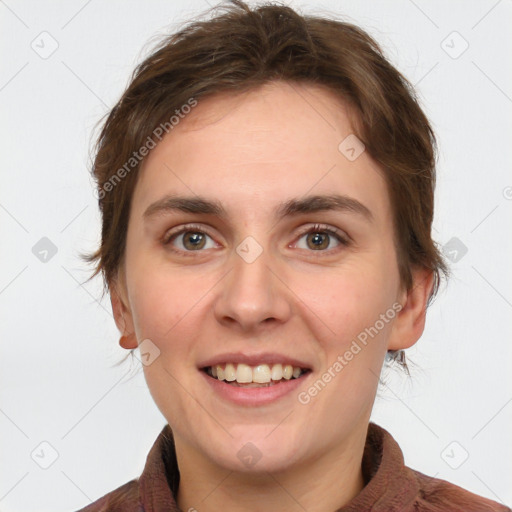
{"x": 390, "y": 486}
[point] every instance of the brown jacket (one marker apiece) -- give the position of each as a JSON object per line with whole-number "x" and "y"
{"x": 390, "y": 486}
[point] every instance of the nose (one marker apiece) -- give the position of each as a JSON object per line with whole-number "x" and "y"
{"x": 253, "y": 294}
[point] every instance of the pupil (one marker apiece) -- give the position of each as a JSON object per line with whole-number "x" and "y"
{"x": 195, "y": 239}
{"x": 317, "y": 240}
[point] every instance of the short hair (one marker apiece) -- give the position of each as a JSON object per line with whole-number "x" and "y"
{"x": 241, "y": 49}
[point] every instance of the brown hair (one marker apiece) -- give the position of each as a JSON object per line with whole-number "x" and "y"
{"x": 241, "y": 49}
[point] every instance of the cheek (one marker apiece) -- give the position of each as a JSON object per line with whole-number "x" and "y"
{"x": 160, "y": 302}
{"x": 163, "y": 307}
{"x": 358, "y": 313}
{"x": 351, "y": 299}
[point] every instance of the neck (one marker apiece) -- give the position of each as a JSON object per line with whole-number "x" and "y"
{"x": 327, "y": 483}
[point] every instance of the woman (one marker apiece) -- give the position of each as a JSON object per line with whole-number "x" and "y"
{"x": 266, "y": 188}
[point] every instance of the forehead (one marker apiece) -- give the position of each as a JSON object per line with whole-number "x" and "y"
{"x": 250, "y": 150}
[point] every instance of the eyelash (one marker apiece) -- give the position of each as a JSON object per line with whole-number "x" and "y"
{"x": 317, "y": 228}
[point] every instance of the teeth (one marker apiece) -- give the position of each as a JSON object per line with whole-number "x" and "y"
{"x": 277, "y": 372}
{"x": 261, "y": 374}
{"x": 230, "y": 372}
{"x": 243, "y": 374}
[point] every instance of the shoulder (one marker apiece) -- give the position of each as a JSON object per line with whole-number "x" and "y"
{"x": 125, "y": 498}
{"x": 436, "y": 495}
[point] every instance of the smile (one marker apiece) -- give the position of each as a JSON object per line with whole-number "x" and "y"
{"x": 262, "y": 375}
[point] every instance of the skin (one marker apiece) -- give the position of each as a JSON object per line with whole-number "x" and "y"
{"x": 251, "y": 152}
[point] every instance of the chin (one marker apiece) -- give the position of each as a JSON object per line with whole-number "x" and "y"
{"x": 257, "y": 449}
{"x": 251, "y": 459}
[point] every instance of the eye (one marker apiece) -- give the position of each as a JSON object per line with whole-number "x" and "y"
{"x": 193, "y": 238}
{"x": 318, "y": 237}
{"x": 190, "y": 237}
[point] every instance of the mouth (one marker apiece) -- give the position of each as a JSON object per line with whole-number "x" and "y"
{"x": 259, "y": 376}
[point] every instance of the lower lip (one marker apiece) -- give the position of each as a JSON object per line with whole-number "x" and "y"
{"x": 254, "y": 396}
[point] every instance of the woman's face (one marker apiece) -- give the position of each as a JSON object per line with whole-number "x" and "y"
{"x": 257, "y": 283}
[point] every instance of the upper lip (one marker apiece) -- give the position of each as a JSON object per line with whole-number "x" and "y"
{"x": 253, "y": 359}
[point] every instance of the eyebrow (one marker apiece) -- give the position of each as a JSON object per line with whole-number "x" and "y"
{"x": 292, "y": 207}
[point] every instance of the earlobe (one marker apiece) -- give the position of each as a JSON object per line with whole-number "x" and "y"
{"x": 127, "y": 342}
{"x": 123, "y": 319}
{"x": 410, "y": 321}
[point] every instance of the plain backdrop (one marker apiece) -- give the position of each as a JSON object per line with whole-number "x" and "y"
{"x": 73, "y": 425}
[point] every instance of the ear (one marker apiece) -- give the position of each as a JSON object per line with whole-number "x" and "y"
{"x": 410, "y": 321}
{"x": 122, "y": 314}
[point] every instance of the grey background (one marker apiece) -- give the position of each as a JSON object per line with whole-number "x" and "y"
{"x": 64, "y": 65}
